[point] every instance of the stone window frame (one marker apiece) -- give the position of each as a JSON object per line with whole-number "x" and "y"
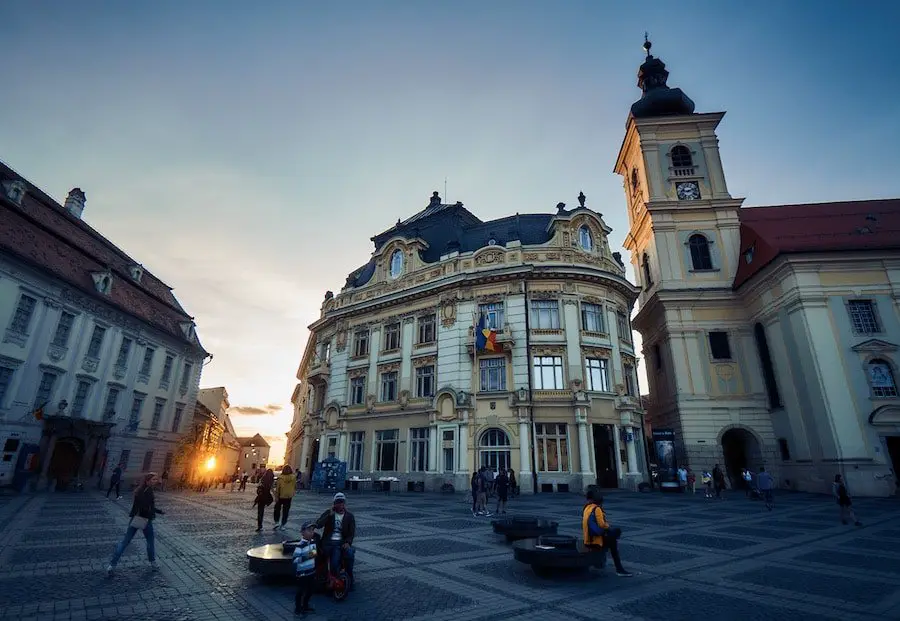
{"x": 892, "y": 369}
{"x": 876, "y": 315}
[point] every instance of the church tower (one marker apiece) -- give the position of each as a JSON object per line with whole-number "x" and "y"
{"x": 684, "y": 240}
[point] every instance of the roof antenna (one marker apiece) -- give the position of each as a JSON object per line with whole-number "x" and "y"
{"x": 446, "y": 198}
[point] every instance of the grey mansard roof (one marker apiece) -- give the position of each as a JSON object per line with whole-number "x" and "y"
{"x": 448, "y": 228}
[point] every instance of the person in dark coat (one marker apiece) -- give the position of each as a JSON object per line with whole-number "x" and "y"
{"x": 263, "y": 497}
{"x": 339, "y": 529}
{"x": 502, "y": 485}
{"x": 115, "y": 481}
{"x": 143, "y": 511}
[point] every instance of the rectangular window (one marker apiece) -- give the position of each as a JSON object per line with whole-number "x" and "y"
{"x": 426, "y": 329}
{"x": 81, "y": 396}
{"x": 176, "y": 421}
{"x": 784, "y": 450}
{"x": 167, "y": 464}
{"x": 186, "y": 375}
{"x": 548, "y": 373}
{"x": 545, "y": 314}
{"x": 137, "y": 404}
{"x": 167, "y": 369}
{"x": 361, "y": 343}
{"x": 123, "y": 459}
{"x": 425, "y": 381}
{"x": 147, "y": 363}
{"x": 124, "y": 350}
{"x": 449, "y": 450}
{"x": 63, "y": 329}
{"x": 718, "y": 346}
{"x": 331, "y": 451}
{"x": 326, "y": 352}
{"x": 598, "y": 374}
{"x": 624, "y": 327}
{"x": 6, "y": 375}
{"x": 158, "y": 408}
{"x": 493, "y": 374}
{"x": 552, "y": 447}
{"x": 358, "y": 390}
{"x": 863, "y": 317}
{"x": 96, "y": 341}
{"x": 357, "y": 450}
{"x": 493, "y": 315}
{"x": 389, "y": 386}
{"x": 391, "y": 336}
{"x": 112, "y": 400}
{"x": 45, "y": 389}
{"x": 22, "y": 317}
{"x": 386, "y": 450}
{"x": 592, "y": 318}
{"x": 628, "y": 372}
{"x": 418, "y": 450}
{"x": 148, "y": 461}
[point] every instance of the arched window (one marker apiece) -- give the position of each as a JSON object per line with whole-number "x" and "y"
{"x": 634, "y": 179}
{"x": 648, "y": 279}
{"x": 494, "y": 449}
{"x": 765, "y": 359}
{"x": 396, "y": 263}
{"x": 681, "y": 157}
{"x": 585, "y": 238}
{"x": 881, "y": 379}
{"x": 701, "y": 258}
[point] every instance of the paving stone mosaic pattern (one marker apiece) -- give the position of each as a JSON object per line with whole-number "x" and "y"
{"x": 423, "y": 556}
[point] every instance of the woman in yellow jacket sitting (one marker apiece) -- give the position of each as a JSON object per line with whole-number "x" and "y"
{"x": 285, "y": 488}
{"x": 597, "y": 532}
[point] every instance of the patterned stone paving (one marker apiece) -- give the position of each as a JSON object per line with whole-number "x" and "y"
{"x": 425, "y": 557}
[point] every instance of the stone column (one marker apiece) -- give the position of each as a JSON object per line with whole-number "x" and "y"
{"x": 323, "y": 447}
{"x": 583, "y": 450}
{"x": 618, "y": 448}
{"x": 87, "y": 459}
{"x": 710, "y": 145}
{"x": 342, "y": 446}
{"x": 524, "y": 452}
{"x": 632, "y": 453}
{"x": 433, "y": 448}
{"x": 463, "y": 448}
{"x": 45, "y": 461}
{"x": 304, "y": 451}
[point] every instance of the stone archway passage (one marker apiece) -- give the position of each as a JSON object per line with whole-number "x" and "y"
{"x": 741, "y": 450}
{"x": 66, "y": 461}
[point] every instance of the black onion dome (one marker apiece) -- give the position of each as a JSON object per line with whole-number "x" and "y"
{"x": 658, "y": 99}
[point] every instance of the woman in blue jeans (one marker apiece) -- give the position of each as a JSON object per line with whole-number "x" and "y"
{"x": 143, "y": 510}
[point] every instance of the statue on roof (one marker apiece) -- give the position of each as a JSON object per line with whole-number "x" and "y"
{"x": 581, "y": 198}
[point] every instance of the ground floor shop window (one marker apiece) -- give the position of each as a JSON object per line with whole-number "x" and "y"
{"x": 386, "y": 450}
{"x": 418, "y": 449}
{"x": 357, "y": 448}
{"x": 552, "y": 447}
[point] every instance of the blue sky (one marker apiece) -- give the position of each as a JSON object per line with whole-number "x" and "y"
{"x": 246, "y": 152}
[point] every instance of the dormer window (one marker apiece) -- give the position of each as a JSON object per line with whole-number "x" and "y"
{"x": 585, "y": 239}
{"x": 748, "y": 255}
{"x": 397, "y": 264}
{"x": 103, "y": 282}
{"x": 136, "y": 272}
{"x": 15, "y": 191}
{"x": 682, "y": 160}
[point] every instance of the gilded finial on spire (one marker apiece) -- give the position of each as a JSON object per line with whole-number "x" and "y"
{"x": 647, "y": 45}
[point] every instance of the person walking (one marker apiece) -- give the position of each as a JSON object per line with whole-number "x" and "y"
{"x": 165, "y": 480}
{"x": 115, "y": 481}
{"x": 474, "y": 493}
{"x": 718, "y": 480}
{"x": 692, "y": 482}
{"x": 263, "y": 497}
{"x": 513, "y": 486}
{"x": 285, "y": 488}
{"x": 708, "y": 483}
{"x": 682, "y": 479}
{"x": 840, "y": 493}
{"x": 502, "y": 484}
{"x": 143, "y": 511}
{"x": 766, "y": 485}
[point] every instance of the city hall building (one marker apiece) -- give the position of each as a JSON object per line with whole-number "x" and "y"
{"x": 99, "y": 363}
{"x": 392, "y": 383}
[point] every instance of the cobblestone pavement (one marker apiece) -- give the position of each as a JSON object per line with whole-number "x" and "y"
{"x": 425, "y": 557}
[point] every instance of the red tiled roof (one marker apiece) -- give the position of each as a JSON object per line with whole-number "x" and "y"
{"x": 41, "y": 232}
{"x": 817, "y": 227}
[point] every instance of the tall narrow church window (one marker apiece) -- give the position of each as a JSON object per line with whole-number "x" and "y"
{"x": 585, "y": 239}
{"x": 634, "y": 179}
{"x": 648, "y": 278}
{"x": 765, "y": 359}
{"x": 701, "y": 258}
{"x": 881, "y": 378}
{"x": 681, "y": 157}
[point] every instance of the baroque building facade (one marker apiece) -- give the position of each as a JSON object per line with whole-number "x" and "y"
{"x": 99, "y": 364}
{"x": 390, "y": 381}
{"x": 770, "y": 333}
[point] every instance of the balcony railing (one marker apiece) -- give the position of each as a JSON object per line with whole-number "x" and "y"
{"x": 683, "y": 171}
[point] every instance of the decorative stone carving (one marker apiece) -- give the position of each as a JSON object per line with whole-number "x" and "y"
{"x": 119, "y": 372}
{"x": 543, "y": 295}
{"x": 490, "y": 258}
{"x": 448, "y": 311}
{"x": 548, "y": 350}
{"x": 389, "y": 367}
{"x": 463, "y": 398}
{"x": 341, "y": 342}
{"x": 51, "y": 303}
{"x": 626, "y": 359}
{"x": 404, "y": 399}
{"x": 597, "y": 352}
{"x": 90, "y": 364}
{"x": 422, "y": 361}
{"x": 56, "y": 352}
{"x": 16, "y": 338}
{"x": 370, "y": 403}
{"x": 553, "y": 256}
{"x": 491, "y": 298}
{"x": 620, "y": 390}
{"x": 357, "y": 372}
{"x": 532, "y": 256}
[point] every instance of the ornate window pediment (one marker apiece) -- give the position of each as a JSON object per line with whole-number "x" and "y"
{"x": 875, "y": 346}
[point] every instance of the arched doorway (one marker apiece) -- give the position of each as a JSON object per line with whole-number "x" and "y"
{"x": 493, "y": 449}
{"x": 741, "y": 450}
{"x": 66, "y": 461}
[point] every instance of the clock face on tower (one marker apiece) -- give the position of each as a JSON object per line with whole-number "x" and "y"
{"x": 687, "y": 190}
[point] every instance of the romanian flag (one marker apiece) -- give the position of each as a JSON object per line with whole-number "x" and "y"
{"x": 485, "y": 338}
{"x": 39, "y": 413}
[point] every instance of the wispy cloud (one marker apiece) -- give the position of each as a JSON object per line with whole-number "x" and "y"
{"x": 254, "y": 410}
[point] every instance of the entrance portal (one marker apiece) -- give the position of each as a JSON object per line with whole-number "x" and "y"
{"x": 66, "y": 461}
{"x": 605, "y": 456}
{"x": 741, "y": 450}
{"x": 893, "y": 447}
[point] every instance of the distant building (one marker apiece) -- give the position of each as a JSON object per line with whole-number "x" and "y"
{"x": 254, "y": 454}
{"x": 771, "y": 334}
{"x": 228, "y": 456}
{"x": 99, "y": 363}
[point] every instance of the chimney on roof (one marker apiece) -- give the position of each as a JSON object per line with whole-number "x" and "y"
{"x": 75, "y": 202}
{"x": 435, "y": 199}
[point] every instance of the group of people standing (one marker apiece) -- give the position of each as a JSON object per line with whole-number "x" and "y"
{"x": 486, "y": 482}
